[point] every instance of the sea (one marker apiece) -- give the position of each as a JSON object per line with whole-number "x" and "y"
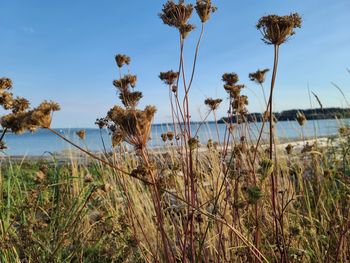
{"x": 43, "y": 142}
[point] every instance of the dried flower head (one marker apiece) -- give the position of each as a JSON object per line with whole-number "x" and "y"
{"x": 164, "y": 137}
{"x": 20, "y": 104}
{"x": 186, "y": 29}
{"x": 277, "y": 29}
{"x": 169, "y": 77}
{"x": 193, "y": 143}
{"x": 121, "y": 60}
{"x": 6, "y": 100}
{"x": 289, "y": 148}
{"x": 170, "y": 135}
{"x": 234, "y": 90}
{"x": 213, "y": 104}
{"x": 126, "y": 81}
{"x": 177, "y": 15}
{"x": 5, "y": 83}
{"x": 204, "y": 8}
{"x": 101, "y": 122}
{"x": 117, "y": 138}
{"x": 130, "y": 99}
{"x": 2, "y": 146}
{"x": 230, "y": 78}
{"x": 174, "y": 88}
{"x": 258, "y": 76}
{"x": 42, "y": 115}
{"x": 301, "y": 118}
{"x": 133, "y": 123}
{"x": 81, "y": 134}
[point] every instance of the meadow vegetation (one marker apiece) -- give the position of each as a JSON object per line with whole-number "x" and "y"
{"x": 240, "y": 199}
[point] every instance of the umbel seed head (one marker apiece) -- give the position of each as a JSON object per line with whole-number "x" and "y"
{"x": 177, "y": 15}
{"x": 301, "y": 118}
{"x": 213, "y": 104}
{"x": 169, "y": 77}
{"x": 258, "y": 76}
{"x": 122, "y": 60}
{"x": 277, "y": 29}
{"x": 230, "y": 78}
{"x": 5, "y": 83}
{"x": 204, "y": 8}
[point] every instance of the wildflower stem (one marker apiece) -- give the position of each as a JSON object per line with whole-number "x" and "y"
{"x": 195, "y": 59}
{"x": 271, "y": 135}
{"x": 3, "y": 134}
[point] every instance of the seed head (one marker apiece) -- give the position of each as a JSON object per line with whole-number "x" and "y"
{"x": 289, "y": 148}
{"x": 130, "y": 99}
{"x": 164, "y": 137}
{"x": 277, "y": 29}
{"x": 6, "y": 100}
{"x": 134, "y": 124}
{"x": 121, "y": 60}
{"x": 177, "y": 15}
{"x": 258, "y": 76}
{"x": 170, "y": 135}
{"x": 101, "y": 122}
{"x": 124, "y": 83}
{"x": 301, "y": 118}
{"x": 230, "y": 78}
{"x": 204, "y": 8}
{"x": 81, "y": 134}
{"x": 2, "y": 146}
{"x": 213, "y": 104}
{"x": 117, "y": 138}
{"x": 20, "y": 104}
{"x": 234, "y": 90}
{"x": 5, "y": 83}
{"x": 169, "y": 77}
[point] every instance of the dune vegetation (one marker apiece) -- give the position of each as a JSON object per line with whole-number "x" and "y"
{"x": 241, "y": 199}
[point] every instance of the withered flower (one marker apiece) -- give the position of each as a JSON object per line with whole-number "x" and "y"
{"x": 169, "y": 77}
{"x": 258, "y": 76}
{"x": 277, "y": 29}
{"x": 17, "y": 122}
{"x": 5, "y": 83}
{"x": 6, "y": 100}
{"x": 101, "y": 122}
{"x": 133, "y": 123}
{"x": 193, "y": 143}
{"x": 186, "y": 29}
{"x": 81, "y": 134}
{"x": 177, "y": 15}
{"x": 117, "y": 138}
{"x": 42, "y": 115}
{"x": 289, "y": 148}
{"x": 230, "y": 78}
{"x": 2, "y": 146}
{"x": 204, "y": 8}
{"x": 20, "y": 104}
{"x": 234, "y": 90}
{"x": 123, "y": 83}
{"x": 301, "y": 118}
{"x": 213, "y": 104}
{"x": 174, "y": 88}
{"x": 170, "y": 135}
{"x": 121, "y": 60}
{"x": 164, "y": 137}
{"x": 130, "y": 99}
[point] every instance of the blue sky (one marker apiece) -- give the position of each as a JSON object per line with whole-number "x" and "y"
{"x": 64, "y": 50}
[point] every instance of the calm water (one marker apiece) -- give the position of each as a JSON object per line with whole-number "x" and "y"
{"x": 44, "y": 142}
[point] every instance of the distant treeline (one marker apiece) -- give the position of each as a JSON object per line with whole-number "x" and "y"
{"x": 310, "y": 114}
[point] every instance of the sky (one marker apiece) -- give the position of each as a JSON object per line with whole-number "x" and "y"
{"x": 64, "y": 51}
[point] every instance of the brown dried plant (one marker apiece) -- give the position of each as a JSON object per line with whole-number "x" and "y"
{"x": 277, "y": 29}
